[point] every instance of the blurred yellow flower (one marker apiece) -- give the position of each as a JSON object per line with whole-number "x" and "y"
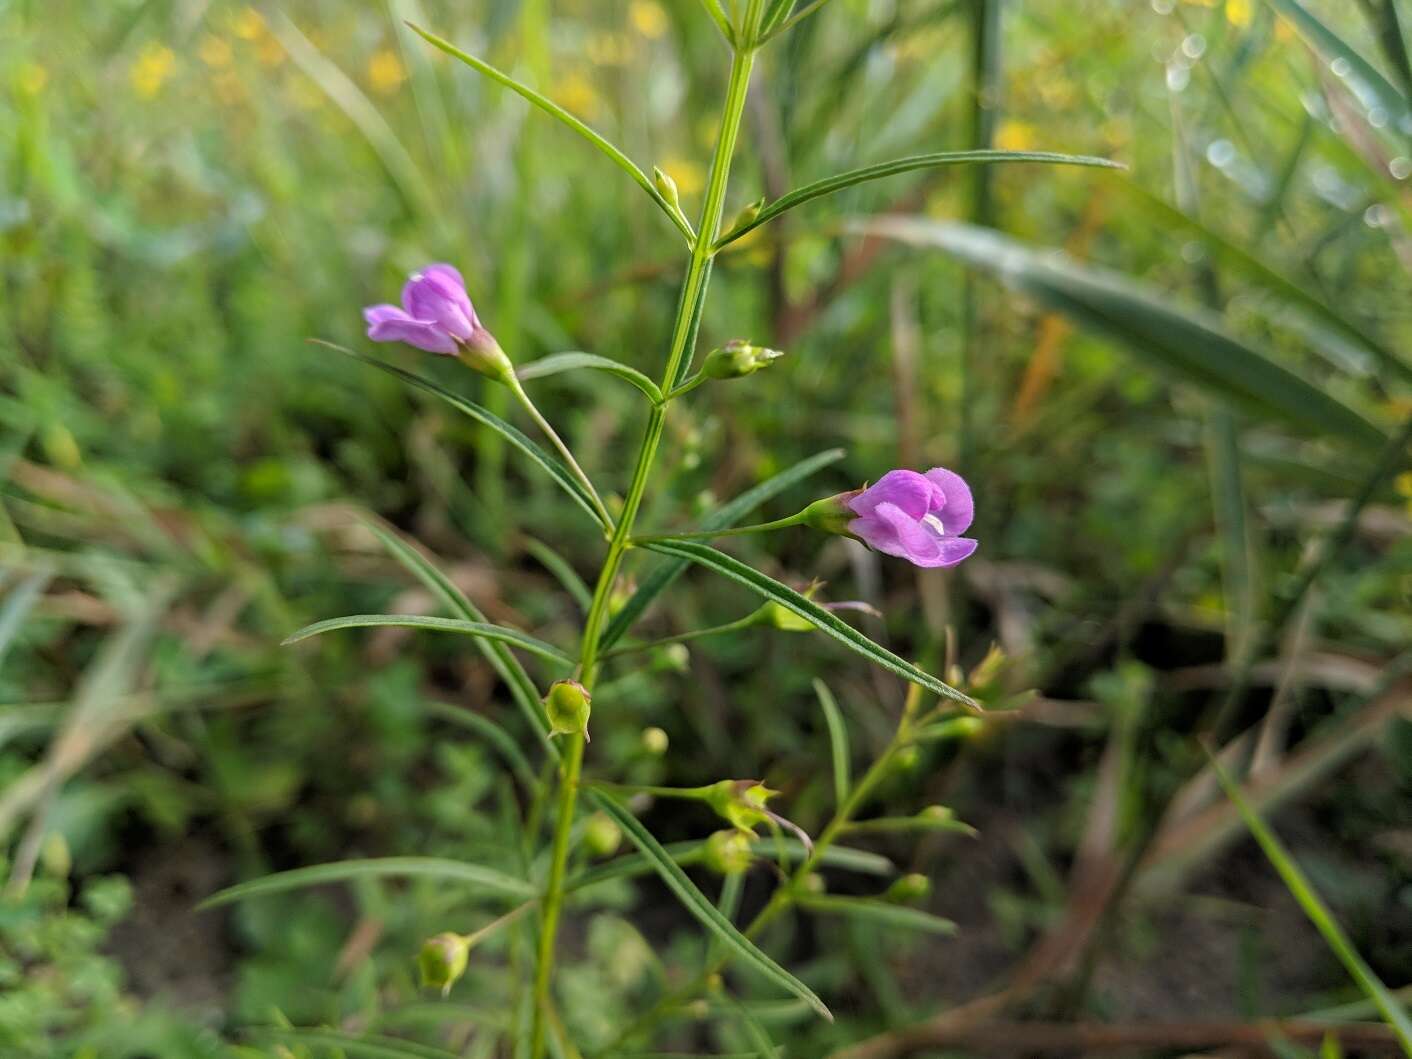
{"x": 32, "y": 79}
{"x": 1403, "y": 484}
{"x": 648, "y": 18}
{"x": 248, "y": 24}
{"x": 689, "y": 176}
{"x": 608, "y": 49}
{"x": 215, "y": 52}
{"x": 576, "y": 94}
{"x": 1239, "y": 12}
{"x": 386, "y": 72}
{"x": 151, "y": 70}
{"x": 269, "y": 51}
{"x": 1015, "y": 135}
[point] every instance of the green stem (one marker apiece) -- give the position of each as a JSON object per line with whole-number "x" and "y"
{"x": 554, "y": 439}
{"x": 737, "y": 531}
{"x": 686, "y": 387}
{"x": 695, "y": 634}
{"x": 682, "y": 346}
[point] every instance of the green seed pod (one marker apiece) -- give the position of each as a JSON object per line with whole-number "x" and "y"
{"x": 745, "y": 217}
{"x": 442, "y": 961}
{"x": 738, "y": 358}
{"x": 567, "y": 706}
{"x": 728, "y": 852}
{"x": 654, "y": 741}
{"x": 742, "y": 802}
{"x": 601, "y": 835}
{"x": 911, "y": 887}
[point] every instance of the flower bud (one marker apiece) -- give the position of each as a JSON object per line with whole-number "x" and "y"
{"x": 745, "y": 217}
{"x": 623, "y": 590}
{"x": 777, "y": 616}
{"x": 814, "y": 883}
{"x": 667, "y": 186}
{"x": 654, "y": 741}
{"x": 601, "y": 835}
{"x": 742, "y": 802}
{"x": 728, "y": 852}
{"x": 905, "y": 760}
{"x": 988, "y": 670}
{"x": 911, "y": 887}
{"x": 567, "y": 706}
{"x": 442, "y": 961}
{"x": 738, "y": 358}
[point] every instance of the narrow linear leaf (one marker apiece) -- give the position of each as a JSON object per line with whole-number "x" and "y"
{"x": 723, "y": 517}
{"x": 838, "y": 741}
{"x": 1287, "y": 292}
{"x": 19, "y": 601}
{"x": 548, "y": 463}
{"x": 921, "y": 822}
{"x": 876, "y": 912}
{"x": 825, "y": 621}
{"x": 553, "y": 109}
{"x": 513, "y": 637}
{"x": 561, "y": 362}
{"x": 1294, "y": 879}
{"x": 1364, "y": 79}
{"x": 693, "y": 852}
{"x": 374, "y": 868}
{"x": 366, "y": 1047}
{"x": 522, "y": 688}
{"x": 700, "y": 906}
{"x": 935, "y": 160}
{"x": 1188, "y": 342}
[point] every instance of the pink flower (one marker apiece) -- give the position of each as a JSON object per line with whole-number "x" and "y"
{"x": 436, "y": 314}
{"x": 917, "y": 517}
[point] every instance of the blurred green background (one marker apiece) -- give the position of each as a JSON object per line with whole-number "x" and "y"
{"x": 189, "y": 190}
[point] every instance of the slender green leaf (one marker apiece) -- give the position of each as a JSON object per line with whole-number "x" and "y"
{"x": 700, "y": 906}
{"x": 1367, "y": 83}
{"x": 513, "y": 637}
{"x": 375, "y": 868}
{"x": 553, "y": 109}
{"x": 825, "y": 621}
{"x": 548, "y": 463}
{"x": 19, "y": 601}
{"x": 1294, "y": 879}
{"x": 1288, "y": 293}
{"x": 723, "y": 517}
{"x": 923, "y": 821}
{"x": 522, "y": 688}
{"x": 561, "y": 362}
{"x": 1189, "y": 342}
{"x": 838, "y": 741}
{"x": 876, "y": 912}
{"x": 688, "y": 853}
{"x": 936, "y": 160}
{"x": 367, "y": 1046}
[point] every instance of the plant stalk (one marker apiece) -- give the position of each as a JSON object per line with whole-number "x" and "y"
{"x": 682, "y": 347}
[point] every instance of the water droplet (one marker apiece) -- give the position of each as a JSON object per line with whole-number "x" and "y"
{"x": 1376, "y": 215}
{"x": 1341, "y": 67}
{"x": 1194, "y": 46}
{"x": 1221, "y": 153}
{"x": 1164, "y": 7}
{"x": 1400, "y": 167}
{"x": 1178, "y": 77}
{"x": 1377, "y": 117}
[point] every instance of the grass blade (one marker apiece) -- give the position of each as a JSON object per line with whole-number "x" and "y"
{"x": 374, "y": 868}
{"x": 522, "y": 688}
{"x": 869, "y": 911}
{"x": 722, "y": 518}
{"x": 553, "y": 109}
{"x": 560, "y": 362}
{"x": 365, "y": 1047}
{"x": 548, "y": 463}
{"x": 838, "y": 741}
{"x": 513, "y": 637}
{"x": 700, "y": 906}
{"x": 1186, "y": 341}
{"x": 830, "y": 185}
{"x": 825, "y": 621}
{"x": 1314, "y": 907}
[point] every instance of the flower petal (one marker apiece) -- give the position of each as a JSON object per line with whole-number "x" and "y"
{"x": 438, "y": 295}
{"x": 957, "y": 508}
{"x": 917, "y": 542}
{"x": 907, "y": 490}
{"x": 387, "y": 323}
{"x": 950, "y": 551}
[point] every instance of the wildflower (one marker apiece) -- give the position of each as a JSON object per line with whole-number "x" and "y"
{"x": 151, "y": 70}
{"x": 386, "y": 72}
{"x": 913, "y": 516}
{"x": 437, "y": 316}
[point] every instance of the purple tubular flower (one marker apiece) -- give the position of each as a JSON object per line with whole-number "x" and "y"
{"x": 917, "y": 517}
{"x": 436, "y": 314}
